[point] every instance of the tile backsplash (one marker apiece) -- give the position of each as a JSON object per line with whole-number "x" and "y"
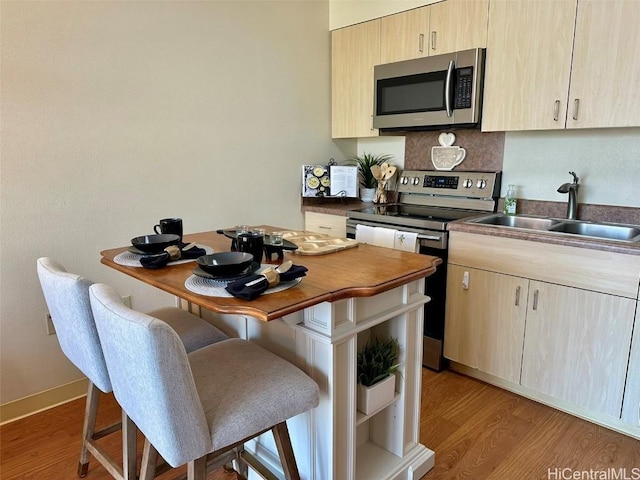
{"x": 484, "y": 150}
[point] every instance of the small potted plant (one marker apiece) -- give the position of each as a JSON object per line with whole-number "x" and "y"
{"x": 377, "y": 363}
{"x": 368, "y": 182}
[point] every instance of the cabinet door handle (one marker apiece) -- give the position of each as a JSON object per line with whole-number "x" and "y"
{"x": 576, "y": 104}
{"x": 535, "y": 299}
{"x": 372, "y": 129}
{"x": 518, "y": 296}
{"x": 433, "y": 40}
{"x": 323, "y": 227}
{"x": 421, "y": 43}
{"x": 556, "y": 110}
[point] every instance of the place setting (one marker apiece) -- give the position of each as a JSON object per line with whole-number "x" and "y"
{"x": 240, "y": 273}
{"x": 163, "y": 248}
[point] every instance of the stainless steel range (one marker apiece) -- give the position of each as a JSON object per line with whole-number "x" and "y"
{"x": 427, "y": 201}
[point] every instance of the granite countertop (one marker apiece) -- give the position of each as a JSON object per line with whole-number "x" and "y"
{"x": 332, "y": 206}
{"x": 568, "y": 239}
{"x": 594, "y": 213}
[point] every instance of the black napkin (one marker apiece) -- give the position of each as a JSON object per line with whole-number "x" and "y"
{"x": 160, "y": 260}
{"x": 240, "y": 289}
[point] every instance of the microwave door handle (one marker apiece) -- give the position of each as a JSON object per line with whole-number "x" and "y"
{"x": 447, "y": 88}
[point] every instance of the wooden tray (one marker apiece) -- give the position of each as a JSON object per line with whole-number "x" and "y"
{"x": 311, "y": 243}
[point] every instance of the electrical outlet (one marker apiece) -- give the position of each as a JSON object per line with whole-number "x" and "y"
{"x": 51, "y": 330}
{"x": 127, "y": 301}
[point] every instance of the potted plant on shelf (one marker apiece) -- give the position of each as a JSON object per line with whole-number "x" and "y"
{"x": 368, "y": 182}
{"x": 377, "y": 363}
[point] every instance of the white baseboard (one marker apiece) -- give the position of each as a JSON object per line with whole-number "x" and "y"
{"x": 38, "y": 402}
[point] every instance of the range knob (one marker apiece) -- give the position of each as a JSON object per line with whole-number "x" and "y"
{"x": 481, "y": 183}
{"x": 415, "y": 181}
{"x": 468, "y": 183}
{"x": 404, "y": 180}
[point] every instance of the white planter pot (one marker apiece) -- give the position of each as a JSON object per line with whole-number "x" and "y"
{"x": 366, "y": 194}
{"x": 375, "y": 397}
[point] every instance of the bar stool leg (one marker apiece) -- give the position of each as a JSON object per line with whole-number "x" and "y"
{"x": 88, "y": 427}
{"x": 285, "y": 451}
{"x": 129, "y": 443}
{"x": 197, "y": 469}
{"x": 149, "y": 460}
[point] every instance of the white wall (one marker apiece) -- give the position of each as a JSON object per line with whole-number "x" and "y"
{"x": 606, "y": 160}
{"x": 349, "y": 12}
{"x": 116, "y": 114}
{"x": 391, "y": 145}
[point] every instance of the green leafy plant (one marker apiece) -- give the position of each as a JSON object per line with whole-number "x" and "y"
{"x": 377, "y": 360}
{"x": 364, "y": 163}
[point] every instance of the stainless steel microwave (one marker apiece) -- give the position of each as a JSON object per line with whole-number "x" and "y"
{"x": 429, "y": 93}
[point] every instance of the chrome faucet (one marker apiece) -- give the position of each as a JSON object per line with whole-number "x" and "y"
{"x": 572, "y": 190}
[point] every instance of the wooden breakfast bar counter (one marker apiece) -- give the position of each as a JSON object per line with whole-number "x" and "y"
{"x": 345, "y": 299}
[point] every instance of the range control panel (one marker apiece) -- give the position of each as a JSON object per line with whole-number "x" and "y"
{"x": 460, "y": 184}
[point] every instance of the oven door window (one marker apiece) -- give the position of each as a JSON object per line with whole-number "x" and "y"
{"x": 423, "y": 92}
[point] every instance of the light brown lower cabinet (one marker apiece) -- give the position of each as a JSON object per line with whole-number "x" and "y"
{"x": 576, "y": 346}
{"x": 631, "y": 401}
{"x": 334, "y": 225}
{"x": 485, "y": 320}
{"x": 548, "y": 321}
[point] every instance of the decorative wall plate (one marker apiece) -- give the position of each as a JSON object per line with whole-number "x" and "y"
{"x": 447, "y": 156}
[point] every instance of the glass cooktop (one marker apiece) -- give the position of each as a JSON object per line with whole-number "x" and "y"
{"x": 401, "y": 214}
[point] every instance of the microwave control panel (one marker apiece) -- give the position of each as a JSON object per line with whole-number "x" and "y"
{"x": 464, "y": 87}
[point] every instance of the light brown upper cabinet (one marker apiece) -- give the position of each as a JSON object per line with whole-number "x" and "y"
{"x": 528, "y": 64}
{"x": 443, "y": 27}
{"x": 354, "y": 52}
{"x": 404, "y": 35}
{"x": 531, "y": 81}
{"x": 457, "y": 25}
{"x": 605, "y": 74}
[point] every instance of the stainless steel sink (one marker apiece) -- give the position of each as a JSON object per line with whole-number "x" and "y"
{"x": 599, "y": 230}
{"x": 517, "y": 221}
{"x": 605, "y": 231}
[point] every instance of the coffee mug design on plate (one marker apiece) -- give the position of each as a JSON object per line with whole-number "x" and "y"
{"x": 447, "y": 155}
{"x": 169, "y": 225}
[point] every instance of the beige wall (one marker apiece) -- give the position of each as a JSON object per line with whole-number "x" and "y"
{"x": 116, "y": 114}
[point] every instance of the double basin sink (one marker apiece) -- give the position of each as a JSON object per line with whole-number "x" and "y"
{"x": 605, "y": 231}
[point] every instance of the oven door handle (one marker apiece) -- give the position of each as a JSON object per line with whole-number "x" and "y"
{"x": 429, "y": 237}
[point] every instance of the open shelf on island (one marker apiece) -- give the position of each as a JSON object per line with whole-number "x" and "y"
{"x": 361, "y": 417}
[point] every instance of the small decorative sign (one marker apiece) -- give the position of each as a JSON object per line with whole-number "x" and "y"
{"x": 447, "y": 156}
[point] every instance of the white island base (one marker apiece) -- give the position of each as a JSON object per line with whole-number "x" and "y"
{"x": 334, "y": 440}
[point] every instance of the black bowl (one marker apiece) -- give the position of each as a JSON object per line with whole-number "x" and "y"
{"x": 155, "y": 243}
{"x": 225, "y": 263}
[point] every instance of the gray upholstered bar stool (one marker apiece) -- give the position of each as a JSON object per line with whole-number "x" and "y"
{"x": 205, "y": 403}
{"x": 67, "y": 297}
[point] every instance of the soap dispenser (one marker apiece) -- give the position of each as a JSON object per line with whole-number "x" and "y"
{"x": 510, "y": 201}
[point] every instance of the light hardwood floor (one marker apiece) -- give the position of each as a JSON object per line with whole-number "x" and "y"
{"x": 477, "y": 431}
